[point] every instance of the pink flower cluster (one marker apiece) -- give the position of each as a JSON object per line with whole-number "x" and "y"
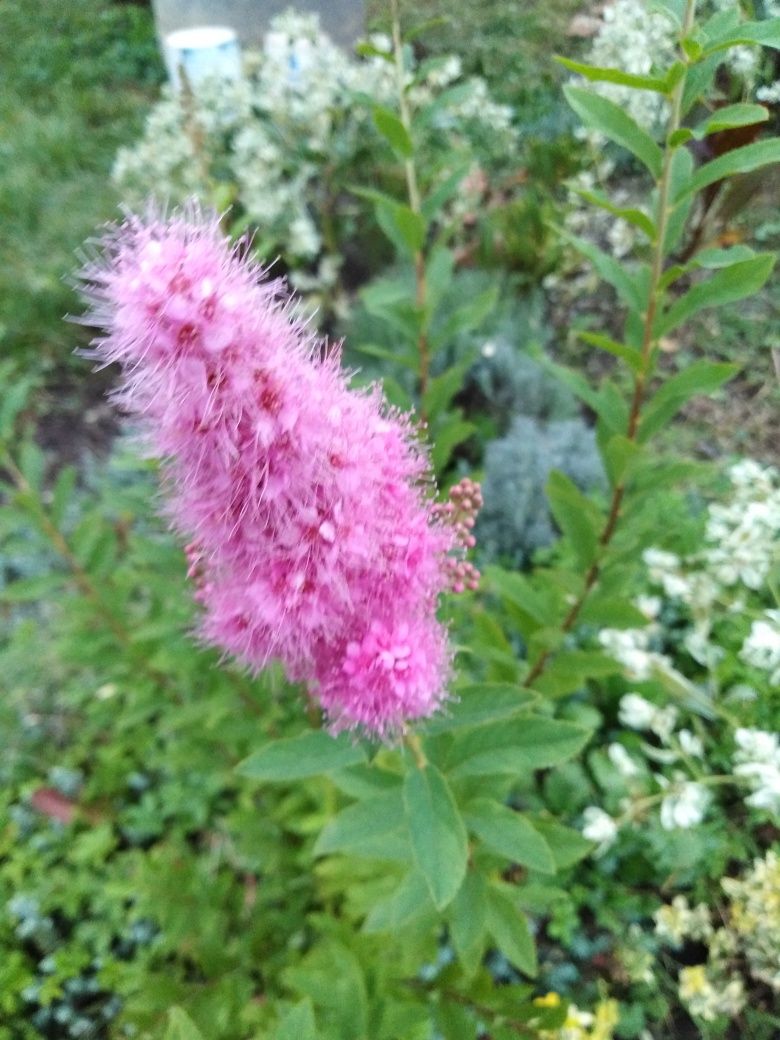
{"x": 313, "y": 537}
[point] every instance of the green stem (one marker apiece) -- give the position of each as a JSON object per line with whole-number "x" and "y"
{"x": 654, "y": 302}
{"x": 413, "y": 193}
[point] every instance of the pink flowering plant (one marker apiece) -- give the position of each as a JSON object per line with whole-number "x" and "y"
{"x": 372, "y": 734}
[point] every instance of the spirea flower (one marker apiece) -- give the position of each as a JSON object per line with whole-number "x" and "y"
{"x": 313, "y": 538}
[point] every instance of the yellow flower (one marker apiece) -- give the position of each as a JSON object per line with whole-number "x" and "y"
{"x": 549, "y": 1000}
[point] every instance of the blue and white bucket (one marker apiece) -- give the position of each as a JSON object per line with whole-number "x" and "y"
{"x": 204, "y": 52}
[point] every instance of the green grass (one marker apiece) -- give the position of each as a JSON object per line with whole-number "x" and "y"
{"x": 77, "y": 78}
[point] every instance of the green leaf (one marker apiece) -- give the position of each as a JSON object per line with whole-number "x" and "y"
{"x": 509, "y": 834}
{"x": 62, "y": 495}
{"x": 517, "y": 590}
{"x": 599, "y": 74}
{"x": 517, "y": 747}
{"x": 609, "y": 269}
{"x": 609, "y": 612}
{"x": 294, "y": 758}
{"x": 437, "y": 833}
{"x": 713, "y": 258}
{"x": 410, "y": 900}
{"x": 181, "y": 1027}
{"x": 465, "y": 318}
{"x": 738, "y": 160}
{"x": 481, "y": 704}
{"x": 444, "y": 191}
{"x": 442, "y": 388}
{"x": 702, "y": 377}
{"x": 468, "y": 921}
{"x": 601, "y": 114}
{"x": 447, "y": 438}
{"x": 575, "y": 515}
{"x": 405, "y": 228}
{"x": 394, "y": 357}
{"x": 628, "y": 213}
{"x": 32, "y": 590}
{"x": 731, "y": 116}
{"x": 570, "y": 668}
{"x": 740, "y": 279}
{"x": 765, "y": 33}
{"x": 357, "y": 827}
{"x": 681, "y": 171}
{"x": 674, "y": 8}
{"x": 394, "y": 132}
{"x": 567, "y": 845}
{"x": 619, "y": 455}
{"x": 298, "y": 1023}
{"x": 439, "y": 269}
{"x": 509, "y": 927}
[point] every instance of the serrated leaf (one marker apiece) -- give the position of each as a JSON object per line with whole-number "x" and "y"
{"x": 738, "y": 160}
{"x": 599, "y": 113}
{"x": 298, "y": 1023}
{"x": 517, "y": 589}
{"x": 410, "y": 900}
{"x": 442, "y": 388}
{"x": 576, "y": 516}
{"x": 437, "y": 833}
{"x": 468, "y": 921}
{"x": 681, "y": 171}
{"x": 509, "y": 927}
{"x": 465, "y": 318}
{"x": 294, "y": 758}
{"x": 728, "y": 284}
{"x": 356, "y": 828}
{"x": 506, "y": 832}
{"x": 62, "y": 494}
{"x": 714, "y": 258}
{"x": 619, "y": 455}
{"x": 394, "y": 357}
{"x": 433, "y": 203}
{"x": 480, "y": 704}
{"x": 570, "y": 668}
{"x": 630, "y": 214}
{"x": 447, "y": 438}
{"x": 700, "y": 377}
{"x": 731, "y": 116}
{"x": 181, "y": 1027}
{"x": 600, "y": 74}
{"x": 765, "y": 33}
{"x": 609, "y": 269}
{"x": 567, "y": 845}
{"x": 516, "y": 747}
{"x": 393, "y": 130}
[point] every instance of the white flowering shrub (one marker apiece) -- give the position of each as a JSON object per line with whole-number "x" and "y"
{"x": 742, "y": 940}
{"x": 707, "y": 658}
{"x": 638, "y": 36}
{"x": 287, "y": 144}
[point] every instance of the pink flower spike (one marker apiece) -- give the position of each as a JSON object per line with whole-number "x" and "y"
{"x": 306, "y": 504}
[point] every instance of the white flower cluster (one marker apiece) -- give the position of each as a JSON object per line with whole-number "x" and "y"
{"x": 636, "y": 36}
{"x": 631, "y": 648}
{"x": 754, "y": 915}
{"x": 743, "y": 536}
{"x": 747, "y": 932}
{"x": 272, "y": 140}
{"x": 637, "y": 39}
{"x": 741, "y": 545}
{"x": 757, "y": 760}
{"x": 678, "y": 921}
{"x": 761, "y": 649}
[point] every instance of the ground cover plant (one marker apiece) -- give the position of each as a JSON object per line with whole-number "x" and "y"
{"x": 299, "y": 770}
